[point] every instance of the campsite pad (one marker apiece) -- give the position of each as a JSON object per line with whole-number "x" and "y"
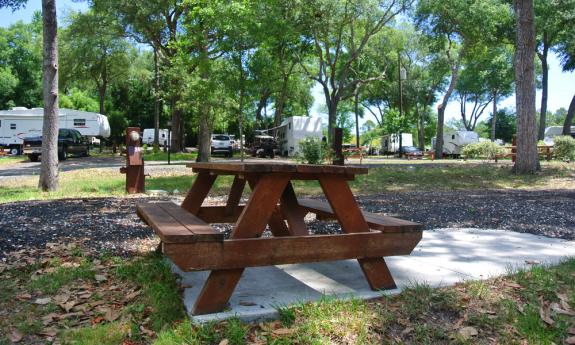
{"x": 443, "y": 257}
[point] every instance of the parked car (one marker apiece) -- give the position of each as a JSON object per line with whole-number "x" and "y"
{"x": 70, "y": 142}
{"x": 411, "y": 151}
{"x": 221, "y": 143}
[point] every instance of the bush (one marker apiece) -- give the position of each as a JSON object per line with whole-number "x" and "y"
{"x": 313, "y": 151}
{"x": 564, "y": 148}
{"x": 483, "y": 149}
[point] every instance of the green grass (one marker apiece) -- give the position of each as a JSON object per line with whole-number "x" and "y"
{"x": 159, "y": 289}
{"x": 50, "y": 283}
{"x": 107, "y": 334}
{"x": 163, "y": 156}
{"x": 9, "y": 160}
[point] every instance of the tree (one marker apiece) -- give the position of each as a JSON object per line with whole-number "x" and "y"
{"x": 94, "y": 48}
{"x": 49, "y": 166}
{"x": 339, "y": 32}
{"x": 456, "y": 26}
{"x": 566, "y": 50}
{"x": 527, "y": 161}
{"x": 505, "y": 125}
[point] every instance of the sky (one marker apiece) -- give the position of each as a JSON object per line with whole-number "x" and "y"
{"x": 561, "y": 85}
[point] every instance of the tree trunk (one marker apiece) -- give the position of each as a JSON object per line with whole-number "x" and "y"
{"x": 494, "y": 119}
{"x": 569, "y": 119}
{"x": 331, "y": 117}
{"x": 441, "y": 112}
{"x": 175, "y": 145}
{"x": 204, "y": 137}
{"x": 102, "y": 98}
{"x": 544, "y": 93}
{"x": 261, "y": 105}
{"x": 49, "y": 166}
{"x": 156, "y": 100}
{"x": 356, "y": 104}
{"x": 421, "y": 130}
{"x": 527, "y": 161}
{"x": 280, "y": 102}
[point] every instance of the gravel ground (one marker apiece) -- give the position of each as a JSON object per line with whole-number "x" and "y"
{"x": 111, "y": 223}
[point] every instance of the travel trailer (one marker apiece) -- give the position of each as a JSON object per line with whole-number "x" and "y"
{"x": 20, "y": 123}
{"x": 148, "y": 136}
{"x": 390, "y": 142}
{"x": 295, "y": 129}
{"x": 454, "y": 141}
{"x": 555, "y": 131}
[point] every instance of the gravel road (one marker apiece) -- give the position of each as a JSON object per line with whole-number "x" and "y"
{"x": 111, "y": 223}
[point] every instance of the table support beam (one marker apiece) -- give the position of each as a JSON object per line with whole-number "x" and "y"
{"x": 200, "y": 189}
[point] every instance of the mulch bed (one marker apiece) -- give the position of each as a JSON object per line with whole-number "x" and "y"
{"x": 112, "y": 224}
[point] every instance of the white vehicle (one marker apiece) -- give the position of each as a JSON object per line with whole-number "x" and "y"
{"x": 221, "y": 143}
{"x": 148, "y": 136}
{"x": 20, "y": 123}
{"x": 390, "y": 142}
{"x": 555, "y": 131}
{"x": 454, "y": 141}
{"x": 295, "y": 129}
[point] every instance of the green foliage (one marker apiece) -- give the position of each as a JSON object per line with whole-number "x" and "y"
{"x": 564, "y": 148}
{"x": 78, "y": 100}
{"x": 483, "y": 149}
{"x": 314, "y": 151}
{"x": 506, "y": 125}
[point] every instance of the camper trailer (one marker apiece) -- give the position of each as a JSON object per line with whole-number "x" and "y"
{"x": 454, "y": 141}
{"x": 295, "y": 129}
{"x": 555, "y": 131}
{"x": 20, "y": 123}
{"x": 148, "y": 136}
{"x": 390, "y": 142}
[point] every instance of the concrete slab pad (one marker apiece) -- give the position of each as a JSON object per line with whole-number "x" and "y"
{"x": 443, "y": 257}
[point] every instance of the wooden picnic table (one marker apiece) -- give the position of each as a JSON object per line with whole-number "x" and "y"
{"x": 189, "y": 240}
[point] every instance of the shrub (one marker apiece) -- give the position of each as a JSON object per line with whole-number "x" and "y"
{"x": 564, "y": 148}
{"x": 482, "y": 149}
{"x": 313, "y": 151}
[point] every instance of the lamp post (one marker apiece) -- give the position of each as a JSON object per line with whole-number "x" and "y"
{"x": 402, "y": 76}
{"x": 169, "y": 123}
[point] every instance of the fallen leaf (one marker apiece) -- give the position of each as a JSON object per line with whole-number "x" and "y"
{"x": 23, "y": 297}
{"x": 131, "y": 296}
{"x": 49, "y": 332}
{"x": 224, "y": 342}
{"x": 545, "y": 314}
{"x": 67, "y": 306}
{"x": 111, "y": 315}
{"x": 100, "y": 278}
{"x": 15, "y": 336}
{"x": 513, "y": 285}
{"x": 43, "y": 301}
{"x": 47, "y": 319}
{"x": 570, "y": 341}
{"x": 406, "y": 331}
{"x": 97, "y": 320}
{"x": 468, "y": 332}
{"x": 571, "y": 330}
{"x": 147, "y": 332}
{"x": 62, "y": 298}
{"x": 85, "y": 295}
{"x": 283, "y": 331}
{"x": 559, "y": 310}
{"x": 247, "y": 304}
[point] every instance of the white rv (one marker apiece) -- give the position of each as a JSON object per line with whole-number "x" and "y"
{"x": 295, "y": 129}
{"x": 454, "y": 141}
{"x": 390, "y": 142}
{"x": 148, "y": 136}
{"x": 20, "y": 122}
{"x": 555, "y": 131}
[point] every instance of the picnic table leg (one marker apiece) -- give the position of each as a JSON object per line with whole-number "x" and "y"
{"x": 198, "y": 192}
{"x": 277, "y": 225}
{"x": 352, "y": 220}
{"x": 235, "y": 195}
{"x": 251, "y": 224}
{"x": 292, "y": 212}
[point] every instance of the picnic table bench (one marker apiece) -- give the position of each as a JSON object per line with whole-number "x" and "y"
{"x": 193, "y": 244}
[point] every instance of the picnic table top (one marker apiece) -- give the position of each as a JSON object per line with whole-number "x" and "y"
{"x": 257, "y": 167}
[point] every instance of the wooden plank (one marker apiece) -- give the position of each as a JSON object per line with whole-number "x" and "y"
{"x": 198, "y": 192}
{"x": 235, "y": 195}
{"x": 240, "y": 253}
{"x": 216, "y": 291}
{"x": 375, "y": 221}
{"x": 216, "y": 167}
{"x": 217, "y": 214}
{"x": 276, "y": 221}
{"x": 351, "y": 219}
{"x": 292, "y": 212}
{"x": 171, "y": 229}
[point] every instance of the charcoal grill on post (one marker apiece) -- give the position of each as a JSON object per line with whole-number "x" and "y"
{"x": 134, "y": 168}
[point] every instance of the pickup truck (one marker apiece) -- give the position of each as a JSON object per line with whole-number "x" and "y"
{"x": 70, "y": 141}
